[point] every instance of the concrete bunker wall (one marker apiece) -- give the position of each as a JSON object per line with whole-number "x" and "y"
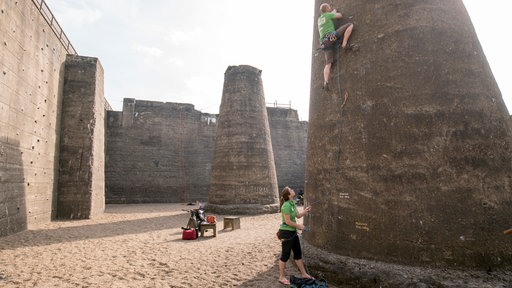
{"x": 289, "y": 139}
{"x": 81, "y": 186}
{"x": 158, "y": 152}
{"x": 32, "y": 72}
{"x": 244, "y": 179}
{"x": 163, "y": 152}
{"x": 31, "y": 65}
{"x": 415, "y": 169}
{"x": 52, "y": 134}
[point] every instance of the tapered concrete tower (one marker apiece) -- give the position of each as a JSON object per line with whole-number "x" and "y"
{"x": 243, "y": 171}
{"x": 415, "y": 168}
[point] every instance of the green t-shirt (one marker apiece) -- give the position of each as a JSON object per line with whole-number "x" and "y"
{"x": 288, "y": 208}
{"x": 325, "y": 24}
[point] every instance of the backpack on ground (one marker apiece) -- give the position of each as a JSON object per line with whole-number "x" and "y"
{"x": 296, "y": 282}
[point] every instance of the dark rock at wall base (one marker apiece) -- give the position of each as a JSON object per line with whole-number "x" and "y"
{"x": 242, "y": 209}
{"x": 346, "y": 272}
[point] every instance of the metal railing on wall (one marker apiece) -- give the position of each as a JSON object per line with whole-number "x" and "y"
{"x": 52, "y": 22}
{"x": 280, "y": 105}
{"x": 54, "y": 25}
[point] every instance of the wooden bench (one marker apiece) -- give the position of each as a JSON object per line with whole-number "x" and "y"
{"x": 208, "y": 226}
{"x": 233, "y": 222}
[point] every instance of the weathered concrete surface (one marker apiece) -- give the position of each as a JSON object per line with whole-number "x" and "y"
{"x": 244, "y": 177}
{"x": 163, "y": 152}
{"x": 289, "y": 139}
{"x": 159, "y": 153}
{"x": 81, "y": 185}
{"x": 348, "y": 272}
{"x": 31, "y": 59}
{"x": 416, "y": 168}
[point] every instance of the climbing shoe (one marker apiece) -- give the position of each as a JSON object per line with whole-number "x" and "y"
{"x": 326, "y": 86}
{"x": 352, "y": 47}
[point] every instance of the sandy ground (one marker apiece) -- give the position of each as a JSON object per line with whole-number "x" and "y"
{"x": 141, "y": 246}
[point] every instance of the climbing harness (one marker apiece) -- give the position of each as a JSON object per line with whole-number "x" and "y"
{"x": 329, "y": 40}
{"x": 285, "y": 239}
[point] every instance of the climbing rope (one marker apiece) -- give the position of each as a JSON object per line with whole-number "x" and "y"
{"x": 343, "y": 100}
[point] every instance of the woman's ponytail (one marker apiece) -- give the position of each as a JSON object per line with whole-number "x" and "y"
{"x": 285, "y": 196}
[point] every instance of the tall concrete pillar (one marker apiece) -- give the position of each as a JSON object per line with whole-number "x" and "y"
{"x": 415, "y": 168}
{"x": 243, "y": 171}
{"x": 81, "y": 188}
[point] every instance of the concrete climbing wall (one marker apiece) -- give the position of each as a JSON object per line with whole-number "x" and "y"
{"x": 45, "y": 87}
{"x": 31, "y": 64}
{"x": 416, "y": 167}
{"x": 243, "y": 171}
{"x": 81, "y": 185}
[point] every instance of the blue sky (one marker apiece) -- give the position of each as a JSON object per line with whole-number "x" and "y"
{"x": 178, "y": 51}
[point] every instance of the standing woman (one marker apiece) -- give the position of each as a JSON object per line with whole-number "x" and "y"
{"x": 288, "y": 234}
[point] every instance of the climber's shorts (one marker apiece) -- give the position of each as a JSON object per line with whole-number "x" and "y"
{"x": 329, "y": 52}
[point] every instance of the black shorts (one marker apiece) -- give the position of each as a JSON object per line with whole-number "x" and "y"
{"x": 290, "y": 242}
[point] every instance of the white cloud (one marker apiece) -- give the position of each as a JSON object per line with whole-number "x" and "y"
{"x": 178, "y": 37}
{"x": 73, "y": 13}
{"x": 175, "y": 61}
{"x": 125, "y": 9}
{"x": 199, "y": 83}
{"x": 151, "y": 51}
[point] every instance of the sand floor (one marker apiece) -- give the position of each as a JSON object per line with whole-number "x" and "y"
{"x": 141, "y": 246}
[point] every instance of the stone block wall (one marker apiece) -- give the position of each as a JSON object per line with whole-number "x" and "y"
{"x": 31, "y": 61}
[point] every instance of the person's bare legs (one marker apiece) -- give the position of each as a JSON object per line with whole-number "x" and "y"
{"x": 302, "y": 270}
{"x": 346, "y": 35}
{"x": 327, "y": 72}
{"x": 282, "y": 277}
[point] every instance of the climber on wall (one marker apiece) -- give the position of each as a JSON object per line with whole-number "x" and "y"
{"x": 329, "y": 36}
